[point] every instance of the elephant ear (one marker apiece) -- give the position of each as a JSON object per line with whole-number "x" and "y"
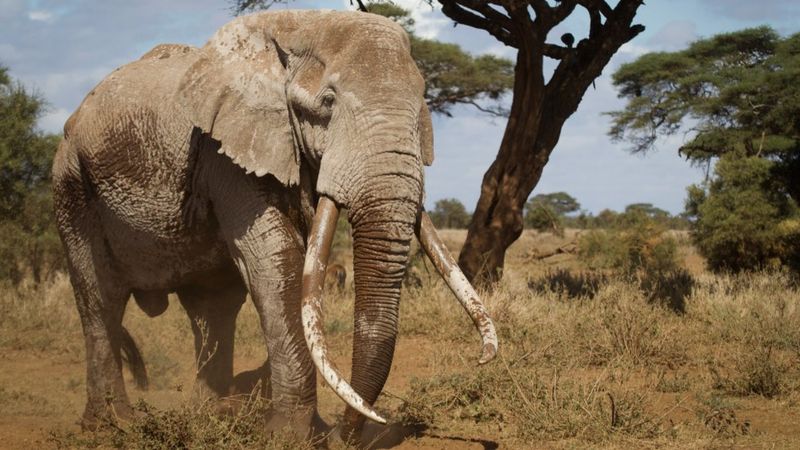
{"x": 425, "y": 133}
{"x": 235, "y": 91}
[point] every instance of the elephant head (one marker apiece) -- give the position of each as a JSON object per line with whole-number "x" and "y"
{"x": 339, "y": 95}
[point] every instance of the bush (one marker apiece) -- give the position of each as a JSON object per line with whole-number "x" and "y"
{"x": 743, "y": 219}
{"x": 29, "y": 243}
{"x": 548, "y": 212}
{"x": 544, "y": 220}
{"x": 198, "y": 426}
{"x": 450, "y": 213}
{"x": 635, "y": 243}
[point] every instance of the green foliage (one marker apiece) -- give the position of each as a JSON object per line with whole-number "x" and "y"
{"x": 450, "y": 213}
{"x": 543, "y": 219}
{"x": 546, "y": 212}
{"x": 743, "y": 219}
{"x": 453, "y": 76}
{"x": 635, "y": 243}
{"x": 28, "y": 240}
{"x": 738, "y": 89}
{"x": 559, "y": 202}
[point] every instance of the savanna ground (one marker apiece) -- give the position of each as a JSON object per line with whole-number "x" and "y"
{"x": 698, "y": 361}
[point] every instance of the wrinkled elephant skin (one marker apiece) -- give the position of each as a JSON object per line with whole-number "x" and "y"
{"x": 198, "y": 171}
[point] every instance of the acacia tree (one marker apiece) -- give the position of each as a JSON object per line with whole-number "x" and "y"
{"x": 545, "y": 212}
{"x": 738, "y": 89}
{"x": 539, "y": 107}
{"x": 738, "y": 93}
{"x": 449, "y": 213}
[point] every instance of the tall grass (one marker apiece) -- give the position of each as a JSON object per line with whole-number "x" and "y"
{"x": 610, "y": 369}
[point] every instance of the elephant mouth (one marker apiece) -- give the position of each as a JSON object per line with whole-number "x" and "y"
{"x": 319, "y": 245}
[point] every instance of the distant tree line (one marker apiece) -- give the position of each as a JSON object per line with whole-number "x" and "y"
{"x": 556, "y": 211}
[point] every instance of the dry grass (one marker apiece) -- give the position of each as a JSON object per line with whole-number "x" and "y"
{"x": 608, "y": 370}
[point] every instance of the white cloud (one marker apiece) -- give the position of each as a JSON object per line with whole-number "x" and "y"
{"x": 428, "y": 22}
{"x": 41, "y": 15}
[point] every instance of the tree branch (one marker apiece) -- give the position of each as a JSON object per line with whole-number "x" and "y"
{"x": 597, "y": 5}
{"x": 575, "y": 74}
{"x": 541, "y": 8}
{"x": 453, "y": 10}
{"x": 557, "y": 52}
{"x": 488, "y": 12}
{"x": 361, "y": 6}
{"x": 563, "y": 10}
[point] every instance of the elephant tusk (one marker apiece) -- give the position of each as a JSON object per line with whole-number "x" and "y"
{"x": 319, "y": 246}
{"x": 458, "y": 283}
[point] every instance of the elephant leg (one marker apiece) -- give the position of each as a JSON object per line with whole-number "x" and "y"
{"x": 101, "y": 304}
{"x": 270, "y": 256}
{"x": 212, "y": 312}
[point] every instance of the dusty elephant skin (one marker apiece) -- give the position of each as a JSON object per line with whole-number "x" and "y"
{"x": 198, "y": 171}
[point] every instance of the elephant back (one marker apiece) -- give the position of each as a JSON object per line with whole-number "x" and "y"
{"x": 132, "y": 135}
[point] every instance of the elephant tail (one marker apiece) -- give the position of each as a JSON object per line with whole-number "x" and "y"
{"x": 133, "y": 358}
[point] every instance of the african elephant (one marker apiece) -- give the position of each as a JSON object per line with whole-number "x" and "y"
{"x": 219, "y": 171}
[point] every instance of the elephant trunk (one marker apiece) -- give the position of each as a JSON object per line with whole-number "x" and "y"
{"x": 380, "y": 255}
{"x": 319, "y": 245}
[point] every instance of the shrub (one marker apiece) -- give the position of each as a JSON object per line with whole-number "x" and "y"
{"x": 29, "y": 245}
{"x": 744, "y": 219}
{"x": 450, "y": 213}
{"x": 535, "y": 406}
{"x": 547, "y": 212}
{"x": 670, "y": 288}
{"x": 636, "y": 243}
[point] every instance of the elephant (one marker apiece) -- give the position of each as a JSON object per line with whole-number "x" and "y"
{"x": 218, "y": 172}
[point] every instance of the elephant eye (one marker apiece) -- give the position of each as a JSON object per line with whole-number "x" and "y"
{"x": 328, "y": 99}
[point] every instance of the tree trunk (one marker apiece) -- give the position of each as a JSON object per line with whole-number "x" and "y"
{"x": 538, "y": 113}
{"x": 524, "y": 151}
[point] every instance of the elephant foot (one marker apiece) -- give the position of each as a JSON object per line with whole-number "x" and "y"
{"x": 108, "y": 415}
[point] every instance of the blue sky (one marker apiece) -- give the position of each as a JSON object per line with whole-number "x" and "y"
{"x": 62, "y": 48}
